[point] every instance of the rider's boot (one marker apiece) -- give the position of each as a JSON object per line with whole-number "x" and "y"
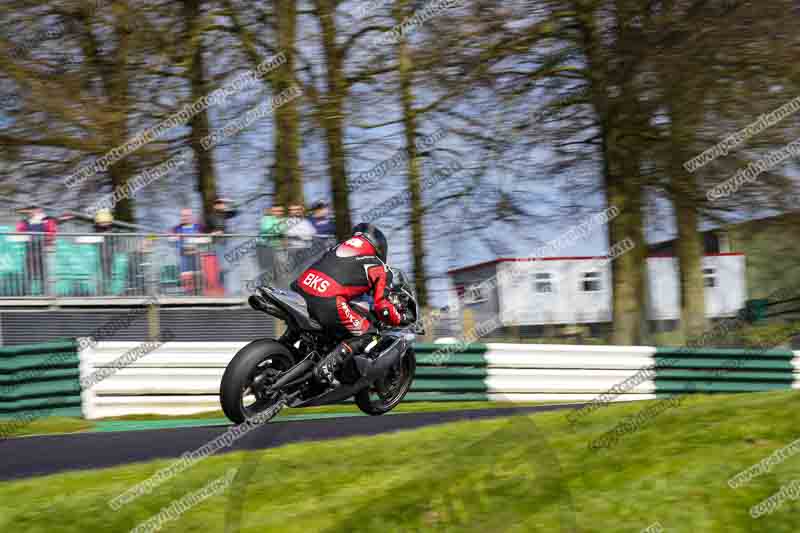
{"x": 338, "y": 357}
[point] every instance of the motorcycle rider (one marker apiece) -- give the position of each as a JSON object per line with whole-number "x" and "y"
{"x": 352, "y": 268}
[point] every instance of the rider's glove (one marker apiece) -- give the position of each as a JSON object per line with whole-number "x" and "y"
{"x": 407, "y": 318}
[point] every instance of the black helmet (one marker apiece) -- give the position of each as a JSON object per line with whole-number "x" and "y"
{"x": 375, "y": 237}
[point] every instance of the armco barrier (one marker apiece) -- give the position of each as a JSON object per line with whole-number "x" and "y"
{"x": 724, "y": 370}
{"x": 174, "y": 379}
{"x": 40, "y": 380}
{"x": 529, "y": 372}
{"x": 184, "y": 377}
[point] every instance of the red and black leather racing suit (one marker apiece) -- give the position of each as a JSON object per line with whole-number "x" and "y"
{"x": 346, "y": 271}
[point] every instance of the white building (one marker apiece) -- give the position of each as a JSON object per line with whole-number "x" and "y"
{"x": 577, "y": 290}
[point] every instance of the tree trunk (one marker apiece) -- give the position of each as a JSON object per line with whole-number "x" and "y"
{"x": 332, "y": 116}
{"x": 620, "y": 122}
{"x": 199, "y": 124}
{"x": 406, "y": 71}
{"x": 289, "y": 181}
{"x": 628, "y": 280}
{"x": 334, "y": 138}
{"x": 689, "y": 244}
{"x": 118, "y": 88}
{"x": 689, "y": 249}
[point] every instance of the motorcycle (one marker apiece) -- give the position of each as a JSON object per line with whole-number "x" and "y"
{"x": 269, "y": 374}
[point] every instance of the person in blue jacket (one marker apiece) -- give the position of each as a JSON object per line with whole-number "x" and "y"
{"x": 322, "y": 220}
{"x": 188, "y": 252}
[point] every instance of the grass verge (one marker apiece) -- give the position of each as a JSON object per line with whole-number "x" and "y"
{"x": 498, "y": 475}
{"x": 49, "y": 425}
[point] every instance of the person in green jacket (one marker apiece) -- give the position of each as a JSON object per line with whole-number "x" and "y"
{"x": 271, "y": 245}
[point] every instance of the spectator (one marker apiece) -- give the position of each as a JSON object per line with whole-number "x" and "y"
{"x": 271, "y": 247}
{"x": 326, "y": 228}
{"x": 104, "y": 223}
{"x": 36, "y": 221}
{"x": 188, "y": 251}
{"x": 273, "y": 224}
{"x": 25, "y": 214}
{"x": 322, "y": 220}
{"x": 222, "y": 212}
{"x": 217, "y": 226}
{"x": 300, "y": 234}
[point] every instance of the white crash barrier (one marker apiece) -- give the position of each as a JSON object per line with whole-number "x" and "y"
{"x": 553, "y": 372}
{"x": 177, "y": 378}
{"x": 184, "y": 377}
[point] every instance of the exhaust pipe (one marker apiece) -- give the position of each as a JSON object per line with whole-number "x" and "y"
{"x": 258, "y": 303}
{"x": 370, "y": 369}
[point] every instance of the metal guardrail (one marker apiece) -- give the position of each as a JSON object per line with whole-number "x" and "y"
{"x": 40, "y": 380}
{"x": 123, "y": 378}
{"x": 184, "y": 377}
{"x": 134, "y": 265}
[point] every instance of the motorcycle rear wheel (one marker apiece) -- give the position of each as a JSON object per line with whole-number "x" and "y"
{"x": 252, "y": 369}
{"x": 399, "y": 381}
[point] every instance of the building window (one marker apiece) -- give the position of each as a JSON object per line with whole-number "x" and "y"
{"x": 709, "y": 277}
{"x": 590, "y": 282}
{"x": 543, "y": 283}
{"x": 476, "y": 293}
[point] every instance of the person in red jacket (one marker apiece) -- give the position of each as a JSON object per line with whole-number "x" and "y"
{"x": 348, "y": 270}
{"x": 36, "y": 221}
{"x": 44, "y": 238}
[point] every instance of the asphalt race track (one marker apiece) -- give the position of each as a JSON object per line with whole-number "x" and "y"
{"x": 50, "y": 454}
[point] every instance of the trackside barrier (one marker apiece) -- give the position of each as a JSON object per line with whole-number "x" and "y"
{"x": 176, "y": 378}
{"x": 724, "y": 370}
{"x": 40, "y": 380}
{"x": 184, "y": 377}
{"x": 528, "y": 372}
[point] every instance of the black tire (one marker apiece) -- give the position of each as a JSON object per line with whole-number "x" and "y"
{"x": 370, "y": 406}
{"x": 247, "y": 364}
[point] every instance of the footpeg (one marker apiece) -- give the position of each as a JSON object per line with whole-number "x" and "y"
{"x": 326, "y": 368}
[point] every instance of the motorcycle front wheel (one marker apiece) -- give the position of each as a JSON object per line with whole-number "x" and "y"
{"x": 378, "y": 400}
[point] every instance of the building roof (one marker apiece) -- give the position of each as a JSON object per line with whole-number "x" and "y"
{"x": 564, "y": 258}
{"x": 522, "y": 259}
